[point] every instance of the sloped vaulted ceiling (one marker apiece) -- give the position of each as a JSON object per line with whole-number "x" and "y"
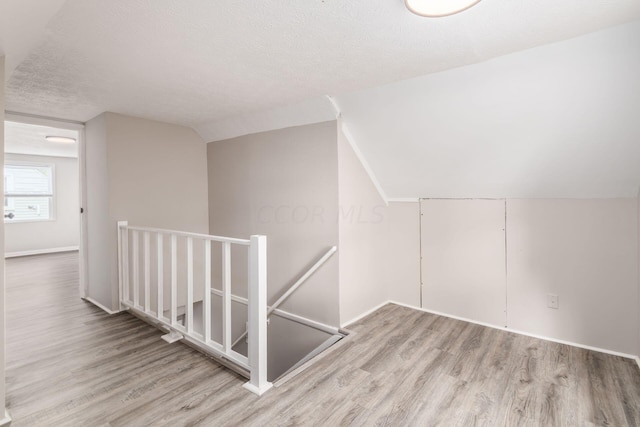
{"x": 228, "y": 68}
{"x": 561, "y": 120}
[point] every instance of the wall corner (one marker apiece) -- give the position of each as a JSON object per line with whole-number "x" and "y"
{"x": 638, "y": 278}
{"x": 6, "y": 420}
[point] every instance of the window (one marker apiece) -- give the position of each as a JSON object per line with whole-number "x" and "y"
{"x": 28, "y": 192}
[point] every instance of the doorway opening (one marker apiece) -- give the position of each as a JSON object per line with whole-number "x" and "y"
{"x": 43, "y": 187}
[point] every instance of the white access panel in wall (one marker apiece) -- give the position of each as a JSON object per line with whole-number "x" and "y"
{"x": 463, "y": 258}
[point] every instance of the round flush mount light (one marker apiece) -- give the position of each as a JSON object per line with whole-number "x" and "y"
{"x": 62, "y": 139}
{"x": 438, "y": 8}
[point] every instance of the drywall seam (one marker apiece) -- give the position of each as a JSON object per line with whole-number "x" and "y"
{"x": 515, "y": 331}
{"x": 349, "y": 137}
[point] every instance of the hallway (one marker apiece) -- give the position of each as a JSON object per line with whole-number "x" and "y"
{"x": 69, "y": 363}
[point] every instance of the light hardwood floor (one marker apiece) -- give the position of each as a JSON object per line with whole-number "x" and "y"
{"x": 69, "y": 363}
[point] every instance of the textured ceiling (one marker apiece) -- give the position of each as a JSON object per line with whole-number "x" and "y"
{"x": 200, "y": 62}
{"x": 20, "y": 138}
{"x": 518, "y": 113}
{"x": 22, "y": 27}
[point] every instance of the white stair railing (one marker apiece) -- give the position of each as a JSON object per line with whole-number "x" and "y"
{"x": 274, "y": 307}
{"x": 128, "y": 269}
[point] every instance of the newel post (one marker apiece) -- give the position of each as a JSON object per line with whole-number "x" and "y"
{"x": 257, "y": 313}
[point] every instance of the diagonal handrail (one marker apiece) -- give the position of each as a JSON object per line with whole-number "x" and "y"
{"x": 293, "y": 287}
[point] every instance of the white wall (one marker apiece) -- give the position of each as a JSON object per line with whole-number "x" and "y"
{"x": 638, "y": 241}
{"x": 585, "y": 251}
{"x": 463, "y": 259}
{"x": 402, "y": 258}
{"x": 362, "y": 236}
{"x": 282, "y": 184}
{"x": 63, "y": 230}
{"x": 379, "y": 243}
{"x": 146, "y": 172}
{"x": 530, "y": 124}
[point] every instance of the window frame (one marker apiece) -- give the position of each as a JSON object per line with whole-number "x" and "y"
{"x": 52, "y": 195}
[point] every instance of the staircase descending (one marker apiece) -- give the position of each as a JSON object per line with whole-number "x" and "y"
{"x": 190, "y": 297}
{"x": 289, "y": 343}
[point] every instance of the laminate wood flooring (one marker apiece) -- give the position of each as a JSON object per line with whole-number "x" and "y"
{"x": 71, "y": 364}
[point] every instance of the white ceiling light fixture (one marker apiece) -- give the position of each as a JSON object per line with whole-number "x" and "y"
{"x": 438, "y": 8}
{"x": 61, "y": 139}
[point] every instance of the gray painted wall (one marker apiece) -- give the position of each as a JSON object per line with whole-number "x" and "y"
{"x": 282, "y": 184}
{"x": 146, "y": 172}
{"x": 304, "y": 188}
{"x": 98, "y": 284}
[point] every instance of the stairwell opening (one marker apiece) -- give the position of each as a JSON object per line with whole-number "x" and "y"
{"x": 290, "y": 343}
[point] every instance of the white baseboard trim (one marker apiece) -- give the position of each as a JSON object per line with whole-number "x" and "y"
{"x": 41, "y": 251}
{"x": 97, "y": 304}
{"x": 638, "y": 361}
{"x": 515, "y": 331}
{"x": 365, "y": 314}
{"x": 6, "y": 420}
{"x": 451, "y": 316}
{"x": 573, "y": 344}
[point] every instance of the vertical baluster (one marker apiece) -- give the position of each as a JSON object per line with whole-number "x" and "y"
{"x": 147, "y": 272}
{"x": 189, "y": 285}
{"x": 160, "y": 307}
{"x": 136, "y": 278}
{"x": 207, "y": 291}
{"x": 258, "y": 315}
{"x": 226, "y": 296}
{"x": 174, "y": 280}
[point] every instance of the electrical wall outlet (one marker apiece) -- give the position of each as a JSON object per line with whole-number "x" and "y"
{"x": 552, "y": 301}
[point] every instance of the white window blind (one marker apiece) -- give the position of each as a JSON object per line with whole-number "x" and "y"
{"x": 28, "y": 192}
